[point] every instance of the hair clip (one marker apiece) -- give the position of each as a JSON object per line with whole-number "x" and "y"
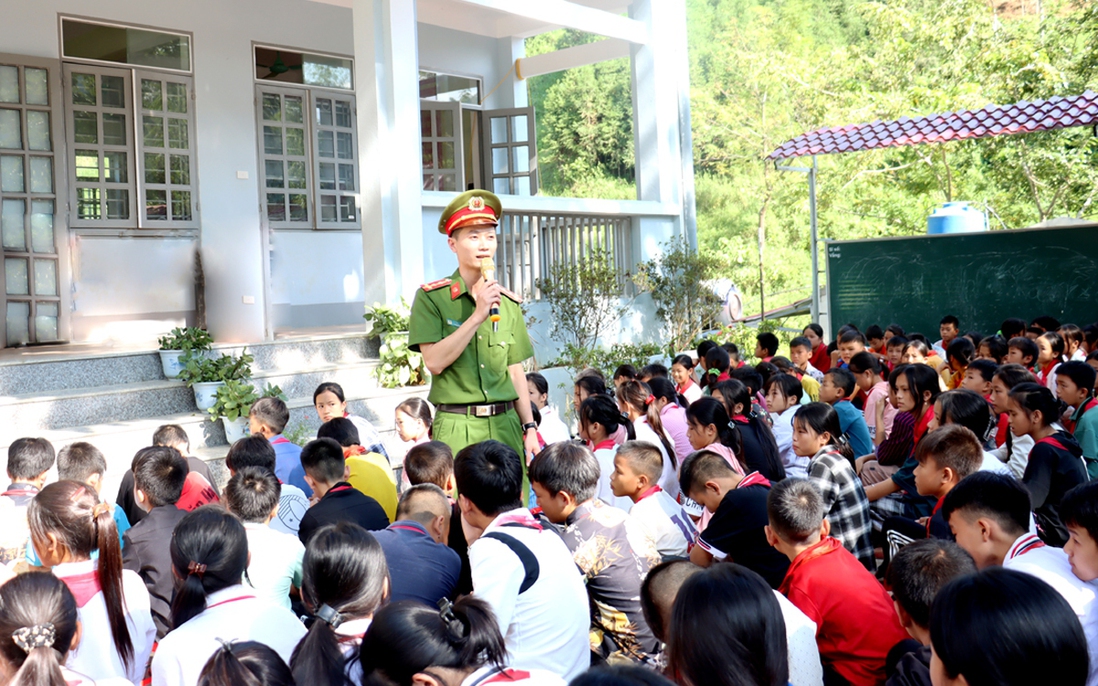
{"x": 196, "y": 568}
{"x": 454, "y": 626}
{"x": 99, "y": 509}
{"x": 327, "y": 614}
{"x": 38, "y": 636}
{"x": 649, "y": 400}
{"x": 714, "y": 372}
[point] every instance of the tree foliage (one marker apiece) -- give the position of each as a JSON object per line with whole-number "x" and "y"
{"x": 763, "y": 71}
{"x": 584, "y": 297}
{"x": 675, "y": 281}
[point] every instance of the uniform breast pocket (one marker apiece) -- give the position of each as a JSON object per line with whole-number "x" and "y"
{"x": 498, "y": 348}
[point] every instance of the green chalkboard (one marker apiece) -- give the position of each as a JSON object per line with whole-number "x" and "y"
{"x": 982, "y": 278}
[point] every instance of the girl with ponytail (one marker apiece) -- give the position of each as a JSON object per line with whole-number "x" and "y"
{"x": 754, "y": 439}
{"x": 817, "y": 434}
{"x": 345, "y": 580}
{"x": 457, "y": 645}
{"x": 209, "y": 551}
{"x": 709, "y": 428}
{"x": 599, "y": 421}
{"x": 39, "y": 623}
{"x": 637, "y": 402}
{"x": 75, "y": 534}
{"x": 246, "y": 663}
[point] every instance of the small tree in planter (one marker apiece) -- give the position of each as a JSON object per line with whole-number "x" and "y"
{"x": 233, "y": 402}
{"x": 675, "y": 281}
{"x": 205, "y": 374}
{"x": 178, "y": 343}
{"x": 585, "y": 297}
{"x": 399, "y": 366}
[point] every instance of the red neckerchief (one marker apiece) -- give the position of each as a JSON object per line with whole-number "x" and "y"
{"x": 279, "y": 440}
{"x": 1043, "y": 372}
{"x": 19, "y": 492}
{"x": 753, "y": 479}
{"x": 605, "y": 445}
{"x": 1051, "y": 440}
{"x": 923, "y": 423}
{"x": 83, "y": 586}
{"x": 406, "y": 527}
{"x": 1087, "y": 406}
{"x": 681, "y": 390}
{"x": 351, "y": 451}
{"x": 650, "y": 492}
{"x": 524, "y": 519}
{"x": 339, "y": 488}
{"x": 824, "y": 547}
{"x": 937, "y": 506}
{"x": 740, "y": 419}
{"x": 1001, "y": 429}
{"x": 231, "y": 600}
{"x": 501, "y": 676}
{"x": 1029, "y": 543}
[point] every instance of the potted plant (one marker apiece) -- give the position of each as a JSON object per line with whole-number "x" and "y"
{"x": 399, "y": 366}
{"x": 179, "y": 342}
{"x": 232, "y": 404}
{"x": 206, "y": 374}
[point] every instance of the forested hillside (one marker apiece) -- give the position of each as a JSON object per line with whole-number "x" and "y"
{"x": 763, "y": 71}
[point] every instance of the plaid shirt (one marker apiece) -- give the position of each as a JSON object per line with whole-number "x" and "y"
{"x": 845, "y": 503}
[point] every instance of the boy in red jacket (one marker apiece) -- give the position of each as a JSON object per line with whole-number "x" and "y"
{"x": 856, "y": 623}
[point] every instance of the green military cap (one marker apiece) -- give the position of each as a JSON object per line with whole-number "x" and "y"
{"x": 471, "y": 208}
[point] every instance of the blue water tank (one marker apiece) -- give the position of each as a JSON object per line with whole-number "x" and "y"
{"x": 956, "y": 217}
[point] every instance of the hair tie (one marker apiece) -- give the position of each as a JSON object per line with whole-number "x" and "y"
{"x": 196, "y": 568}
{"x": 99, "y": 509}
{"x": 649, "y": 400}
{"x": 38, "y": 636}
{"x": 714, "y": 372}
{"x": 454, "y": 626}
{"x": 327, "y": 614}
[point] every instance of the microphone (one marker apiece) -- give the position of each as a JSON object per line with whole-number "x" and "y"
{"x": 488, "y": 272}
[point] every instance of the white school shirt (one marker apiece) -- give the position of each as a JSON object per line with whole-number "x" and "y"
{"x": 1018, "y": 457}
{"x": 1029, "y": 554}
{"x": 275, "y": 564}
{"x": 604, "y": 453}
{"x": 547, "y": 626}
{"x": 494, "y": 675}
{"x": 800, "y": 637}
{"x": 796, "y": 467}
{"x": 96, "y": 657}
{"x": 231, "y": 614}
{"x": 552, "y": 429}
{"x": 77, "y": 679}
{"x": 669, "y": 479}
{"x": 292, "y": 506}
{"x": 991, "y": 463}
{"x": 667, "y": 524}
{"x": 349, "y": 634}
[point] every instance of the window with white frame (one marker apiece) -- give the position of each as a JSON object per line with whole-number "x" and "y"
{"x": 308, "y": 141}
{"x": 132, "y": 162}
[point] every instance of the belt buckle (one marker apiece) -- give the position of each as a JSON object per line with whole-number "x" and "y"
{"x": 483, "y": 410}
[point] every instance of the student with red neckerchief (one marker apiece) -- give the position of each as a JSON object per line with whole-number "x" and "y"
{"x": 1075, "y": 382}
{"x": 637, "y": 402}
{"x": 345, "y": 579}
{"x": 599, "y": 421}
{"x": 821, "y": 358}
{"x": 1050, "y": 355}
{"x": 326, "y": 471}
{"x": 209, "y": 554}
{"x": 637, "y": 468}
{"x": 1055, "y": 463}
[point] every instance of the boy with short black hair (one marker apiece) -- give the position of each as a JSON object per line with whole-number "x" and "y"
{"x": 85, "y": 463}
{"x": 431, "y": 463}
{"x": 1022, "y": 350}
{"x": 738, "y": 508}
{"x": 800, "y": 354}
{"x": 949, "y": 328}
{"x": 336, "y": 500}
{"x": 370, "y": 472}
{"x": 612, "y": 550}
{"x": 766, "y": 346}
{"x": 275, "y": 557}
{"x": 257, "y": 451}
{"x": 979, "y": 375}
{"x": 895, "y": 348}
{"x": 916, "y": 574}
{"x": 637, "y": 469}
{"x": 1079, "y": 513}
{"x": 856, "y": 624}
{"x": 268, "y": 418}
{"x": 29, "y": 463}
{"x": 159, "y": 474}
{"x": 945, "y": 456}
{"x": 526, "y": 574}
{"x": 875, "y": 339}
{"x": 837, "y": 387}
{"x": 990, "y": 515}
{"x": 198, "y": 490}
{"x": 1074, "y": 384}
{"x": 851, "y": 342}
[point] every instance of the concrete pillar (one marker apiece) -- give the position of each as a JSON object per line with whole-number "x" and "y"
{"x": 387, "y": 89}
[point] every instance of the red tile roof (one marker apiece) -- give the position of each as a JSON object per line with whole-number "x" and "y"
{"x": 993, "y": 120}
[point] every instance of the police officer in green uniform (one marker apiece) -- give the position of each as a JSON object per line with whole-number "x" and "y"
{"x": 478, "y": 386}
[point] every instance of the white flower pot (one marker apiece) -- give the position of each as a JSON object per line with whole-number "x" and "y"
{"x": 205, "y": 394}
{"x": 169, "y": 360}
{"x": 235, "y": 429}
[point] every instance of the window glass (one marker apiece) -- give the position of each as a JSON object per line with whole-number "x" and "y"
{"x": 125, "y": 45}
{"x": 308, "y": 69}
{"x": 447, "y": 87}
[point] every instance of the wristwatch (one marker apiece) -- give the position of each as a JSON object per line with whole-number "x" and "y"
{"x": 529, "y": 425}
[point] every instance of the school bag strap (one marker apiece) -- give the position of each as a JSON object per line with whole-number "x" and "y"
{"x": 525, "y": 556}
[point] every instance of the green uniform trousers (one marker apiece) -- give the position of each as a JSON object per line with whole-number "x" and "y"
{"x": 460, "y": 431}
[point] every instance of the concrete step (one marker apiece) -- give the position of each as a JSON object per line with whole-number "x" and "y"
{"x": 43, "y": 370}
{"x": 120, "y": 440}
{"x": 120, "y": 402}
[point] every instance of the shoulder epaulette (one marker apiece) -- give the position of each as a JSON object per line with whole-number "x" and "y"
{"x": 435, "y": 285}
{"x": 512, "y": 296}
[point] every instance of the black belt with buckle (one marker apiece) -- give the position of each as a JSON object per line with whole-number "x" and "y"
{"x": 489, "y": 410}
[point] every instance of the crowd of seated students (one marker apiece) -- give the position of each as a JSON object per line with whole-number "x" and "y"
{"x": 883, "y": 509}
